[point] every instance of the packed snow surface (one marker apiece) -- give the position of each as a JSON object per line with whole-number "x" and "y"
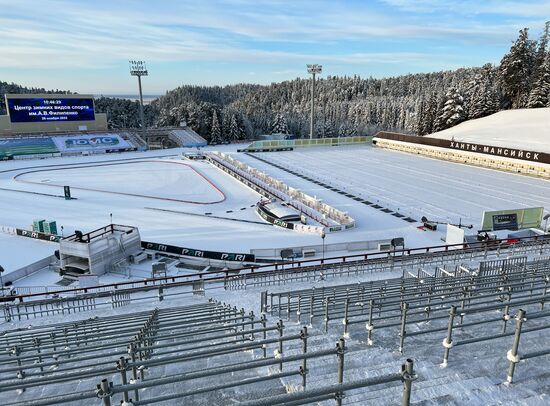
{"x": 412, "y": 185}
{"x": 164, "y": 179}
{"x": 527, "y": 129}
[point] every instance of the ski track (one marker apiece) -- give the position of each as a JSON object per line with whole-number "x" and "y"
{"x": 392, "y": 179}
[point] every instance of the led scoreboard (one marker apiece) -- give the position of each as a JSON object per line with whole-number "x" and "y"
{"x": 55, "y": 109}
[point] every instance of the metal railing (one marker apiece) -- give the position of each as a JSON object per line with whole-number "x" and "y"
{"x": 144, "y": 344}
{"x": 281, "y": 273}
{"x": 513, "y": 355}
{"x": 396, "y": 303}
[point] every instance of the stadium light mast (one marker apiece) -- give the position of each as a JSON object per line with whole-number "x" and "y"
{"x": 313, "y": 69}
{"x": 1, "y": 280}
{"x": 138, "y": 68}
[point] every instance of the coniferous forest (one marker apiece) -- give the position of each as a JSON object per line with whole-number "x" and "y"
{"x": 347, "y": 105}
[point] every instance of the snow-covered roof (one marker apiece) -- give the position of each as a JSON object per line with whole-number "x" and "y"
{"x": 527, "y": 129}
{"x": 281, "y": 211}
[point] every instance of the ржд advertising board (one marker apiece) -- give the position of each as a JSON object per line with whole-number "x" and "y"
{"x": 40, "y": 109}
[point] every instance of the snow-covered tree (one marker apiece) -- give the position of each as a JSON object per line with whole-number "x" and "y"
{"x": 278, "y": 125}
{"x": 235, "y": 131}
{"x": 540, "y": 93}
{"x": 347, "y": 130}
{"x": 452, "y": 112}
{"x": 516, "y": 69}
{"x": 215, "y": 132}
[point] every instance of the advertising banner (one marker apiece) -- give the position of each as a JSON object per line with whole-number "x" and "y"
{"x": 523, "y": 154}
{"x": 39, "y": 109}
{"x": 220, "y": 256}
{"x": 273, "y": 220}
{"x": 513, "y": 219}
{"x": 82, "y": 143}
{"x": 26, "y": 146}
{"x": 38, "y": 236}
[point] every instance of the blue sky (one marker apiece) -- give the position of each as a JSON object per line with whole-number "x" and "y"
{"x": 85, "y": 46}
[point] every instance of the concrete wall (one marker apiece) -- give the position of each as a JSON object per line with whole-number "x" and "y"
{"x": 488, "y": 161}
{"x": 362, "y": 246}
{"x": 29, "y": 269}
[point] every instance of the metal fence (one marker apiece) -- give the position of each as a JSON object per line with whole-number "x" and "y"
{"x": 404, "y": 261}
{"x": 429, "y": 302}
{"x": 132, "y": 358}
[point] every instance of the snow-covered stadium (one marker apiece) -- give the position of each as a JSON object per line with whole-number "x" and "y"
{"x": 399, "y": 270}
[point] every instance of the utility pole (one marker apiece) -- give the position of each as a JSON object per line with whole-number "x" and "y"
{"x": 313, "y": 69}
{"x": 138, "y": 68}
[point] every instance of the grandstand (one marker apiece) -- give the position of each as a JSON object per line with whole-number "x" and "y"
{"x": 174, "y": 137}
{"x": 186, "y": 137}
{"x": 441, "y": 309}
{"x": 204, "y": 352}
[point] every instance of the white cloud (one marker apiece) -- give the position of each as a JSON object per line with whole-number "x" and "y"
{"x": 526, "y": 8}
{"x": 104, "y": 34}
{"x": 195, "y": 29}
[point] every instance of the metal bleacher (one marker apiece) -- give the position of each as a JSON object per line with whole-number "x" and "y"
{"x": 186, "y": 137}
{"x": 202, "y": 353}
{"x": 135, "y": 139}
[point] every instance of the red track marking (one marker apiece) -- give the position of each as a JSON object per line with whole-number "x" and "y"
{"x": 123, "y": 193}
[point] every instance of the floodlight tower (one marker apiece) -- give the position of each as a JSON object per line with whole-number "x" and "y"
{"x": 138, "y": 68}
{"x": 313, "y": 69}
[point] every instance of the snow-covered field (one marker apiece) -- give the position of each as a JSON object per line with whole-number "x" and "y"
{"x": 413, "y": 185}
{"x": 159, "y": 179}
{"x": 137, "y": 185}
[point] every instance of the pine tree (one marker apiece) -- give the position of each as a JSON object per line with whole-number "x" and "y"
{"x": 328, "y": 130}
{"x": 235, "y": 132}
{"x": 453, "y": 110}
{"x": 540, "y": 55}
{"x": 516, "y": 69}
{"x": 428, "y": 124}
{"x": 540, "y": 94}
{"x": 478, "y": 104}
{"x": 420, "y": 113}
{"x": 215, "y": 132}
{"x": 279, "y": 126}
{"x": 347, "y": 130}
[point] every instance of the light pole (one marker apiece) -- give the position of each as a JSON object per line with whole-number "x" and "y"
{"x": 138, "y": 68}
{"x": 323, "y": 235}
{"x": 1, "y": 280}
{"x": 313, "y": 69}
